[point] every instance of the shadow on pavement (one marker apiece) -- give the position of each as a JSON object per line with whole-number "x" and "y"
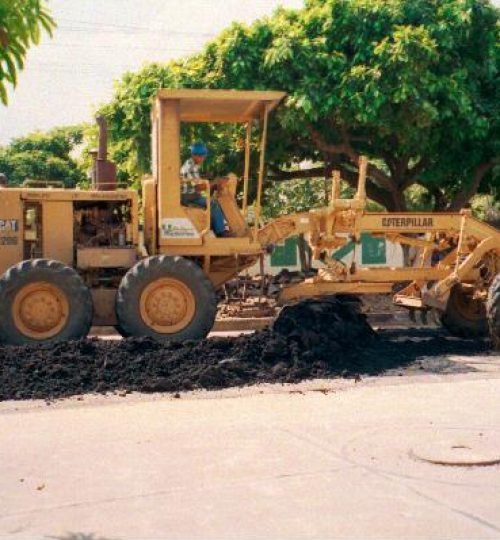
{"x": 427, "y": 350}
{"x": 79, "y": 536}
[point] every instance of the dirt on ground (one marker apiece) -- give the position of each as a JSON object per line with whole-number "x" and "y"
{"x": 329, "y": 338}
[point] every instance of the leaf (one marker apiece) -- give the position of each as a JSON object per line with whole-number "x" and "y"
{"x": 12, "y": 72}
{"x": 3, "y": 94}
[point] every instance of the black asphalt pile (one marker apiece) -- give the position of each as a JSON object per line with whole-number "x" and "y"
{"x": 311, "y": 339}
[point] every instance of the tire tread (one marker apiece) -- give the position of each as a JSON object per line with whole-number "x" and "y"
{"x": 55, "y": 272}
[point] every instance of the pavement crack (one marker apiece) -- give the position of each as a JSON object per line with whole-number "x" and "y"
{"x": 396, "y": 478}
{"x": 453, "y": 509}
{"x": 159, "y": 493}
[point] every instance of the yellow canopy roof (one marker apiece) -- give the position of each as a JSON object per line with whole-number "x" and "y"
{"x": 221, "y": 105}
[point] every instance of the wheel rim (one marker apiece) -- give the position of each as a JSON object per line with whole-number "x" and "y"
{"x": 469, "y": 307}
{"x": 167, "y": 305}
{"x": 40, "y": 310}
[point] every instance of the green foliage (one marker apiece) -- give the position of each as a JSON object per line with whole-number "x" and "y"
{"x": 486, "y": 207}
{"x": 413, "y": 84}
{"x": 294, "y": 196}
{"x": 44, "y": 156}
{"x": 282, "y": 198}
{"x": 401, "y": 80}
{"x": 418, "y": 199}
{"x": 21, "y": 23}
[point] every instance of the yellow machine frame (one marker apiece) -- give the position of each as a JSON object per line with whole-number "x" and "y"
{"x": 466, "y": 241}
{"x": 470, "y": 248}
{"x": 133, "y": 282}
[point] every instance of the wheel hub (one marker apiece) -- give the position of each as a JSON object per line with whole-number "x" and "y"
{"x": 40, "y": 310}
{"x": 167, "y": 305}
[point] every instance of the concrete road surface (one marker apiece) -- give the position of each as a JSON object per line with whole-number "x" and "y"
{"x": 316, "y": 460}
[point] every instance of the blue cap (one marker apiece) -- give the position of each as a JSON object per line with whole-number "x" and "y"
{"x": 199, "y": 149}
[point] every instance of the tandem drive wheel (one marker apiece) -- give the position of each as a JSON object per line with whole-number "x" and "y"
{"x": 166, "y": 298}
{"x": 43, "y": 301}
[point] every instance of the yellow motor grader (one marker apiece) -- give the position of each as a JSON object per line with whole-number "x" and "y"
{"x": 71, "y": 258}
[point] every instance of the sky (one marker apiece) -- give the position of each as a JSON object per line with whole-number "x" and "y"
{"x": 66, "y": 77}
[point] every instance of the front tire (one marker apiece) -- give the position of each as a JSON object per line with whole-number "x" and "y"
{"x": 464, "y": 316}
{"x": 166, "y": 298}
{"x": 43, "y": 301}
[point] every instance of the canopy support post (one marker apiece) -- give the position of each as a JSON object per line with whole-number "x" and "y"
{"x": 247, "y": 168}
{"x": 263, "y": 141}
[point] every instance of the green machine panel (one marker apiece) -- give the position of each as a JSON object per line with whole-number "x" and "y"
{"x": 373, "y": 250}
{"x": 286, "y": 254}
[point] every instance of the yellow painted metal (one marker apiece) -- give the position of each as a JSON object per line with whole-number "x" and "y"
{"x": 226, "y": 191}
{"x": 262, "y": 164}
{"x": 335, "y": 186}
{"x": 399, "y": 274}
{"x": 167, "y": 305}
{"x": 54, "y": 228}
{"x": 361, "y": 191}
{"x": 208, "y": 216}
{"x": 105, "y": 257}
{"x": 312, "y": 288}
{"x": 221, "y": 105}
{"x": 150, "y": 214}
{"x": 408, "y": 222}
{"x": 12, "y": 230}
{"x": 246, "y": 173}
{"x": 40, "y": 310}
{"x": 408, "y": 240}
{"x": 216, "y": 247}
{"x": 57, "y": 223}
{"x": 31, "y": 194}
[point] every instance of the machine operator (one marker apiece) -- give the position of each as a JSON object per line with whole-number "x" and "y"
{"x": 191, "y": 188}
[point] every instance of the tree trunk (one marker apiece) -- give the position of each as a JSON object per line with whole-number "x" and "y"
{"x": 464, "y": 197}
{"x": 399, "y": 203}
{"x": 440, "y": 202}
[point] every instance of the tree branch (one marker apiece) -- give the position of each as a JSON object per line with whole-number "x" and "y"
{"x": 324, "y": 146}
{"x": 346, "y": 149}
{"x": 281, "y": 176}
{"x": 421, "y": 165}
{"x": 412, "y": 174}
{"x": 463, "y": 197}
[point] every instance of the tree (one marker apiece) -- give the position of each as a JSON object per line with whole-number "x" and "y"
{"x": 21, "y": 22}
{"x": 413, "y": 84}
{"x": 44, "y": 156}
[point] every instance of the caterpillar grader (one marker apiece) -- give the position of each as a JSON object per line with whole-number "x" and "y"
{"x": 72, "y": 258}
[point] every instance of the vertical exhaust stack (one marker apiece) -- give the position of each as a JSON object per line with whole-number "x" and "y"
{"x": 104, "y": 170}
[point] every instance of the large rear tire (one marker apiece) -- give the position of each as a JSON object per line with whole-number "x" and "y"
{"x": 493, "y": 312}
{"x": 166, "y": 298}
{"x": 464, "y": 316}
{"x": 43, "y": 301}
